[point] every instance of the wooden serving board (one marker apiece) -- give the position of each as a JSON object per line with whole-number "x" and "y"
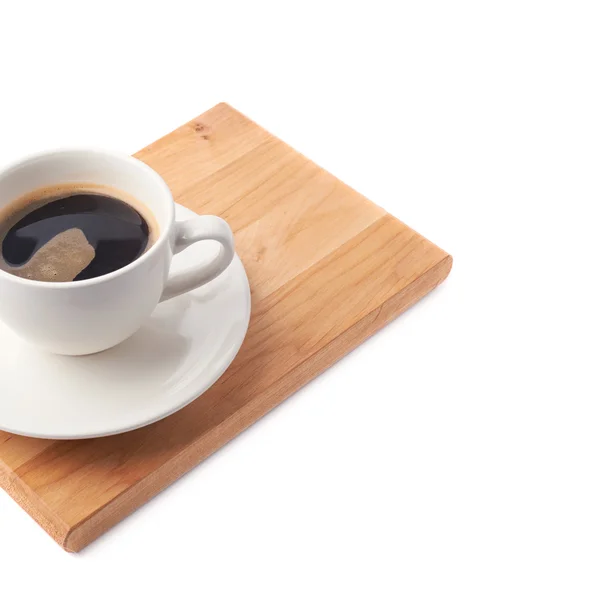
{"x": 327, "y": 269}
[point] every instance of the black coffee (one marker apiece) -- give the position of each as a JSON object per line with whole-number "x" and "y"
{"x": 71, "y": 236}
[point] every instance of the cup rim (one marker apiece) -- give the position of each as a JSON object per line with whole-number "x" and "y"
{"x": 136, "y": 163}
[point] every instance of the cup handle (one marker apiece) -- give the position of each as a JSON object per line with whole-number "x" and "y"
{"x": 196, "y": 230}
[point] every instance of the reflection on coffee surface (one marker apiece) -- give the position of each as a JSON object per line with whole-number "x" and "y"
{"x": 72, "y": 232}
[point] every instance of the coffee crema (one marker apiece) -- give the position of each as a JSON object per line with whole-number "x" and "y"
{"x": 73, "y": 232}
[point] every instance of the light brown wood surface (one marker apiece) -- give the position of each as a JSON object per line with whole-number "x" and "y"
{"x": 327, "y": 269}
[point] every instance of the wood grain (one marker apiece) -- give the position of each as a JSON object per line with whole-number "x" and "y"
{"x": 327, "y": 269}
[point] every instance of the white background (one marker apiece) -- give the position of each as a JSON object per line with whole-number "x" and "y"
{"x": 455, "y": 454}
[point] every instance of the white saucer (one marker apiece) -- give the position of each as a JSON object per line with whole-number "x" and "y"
{"x": 183, "y": 348}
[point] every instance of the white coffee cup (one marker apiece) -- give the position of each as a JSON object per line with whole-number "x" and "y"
{"x": 83, "y": 317}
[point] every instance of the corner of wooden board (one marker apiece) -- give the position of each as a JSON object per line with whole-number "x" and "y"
{"x": 223, "y": 105}
{"x": 444, "y": 267}
{"x": 71, "y": 542}
{"x": 28, "y": 501}
{"x": 419, "y": 288}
